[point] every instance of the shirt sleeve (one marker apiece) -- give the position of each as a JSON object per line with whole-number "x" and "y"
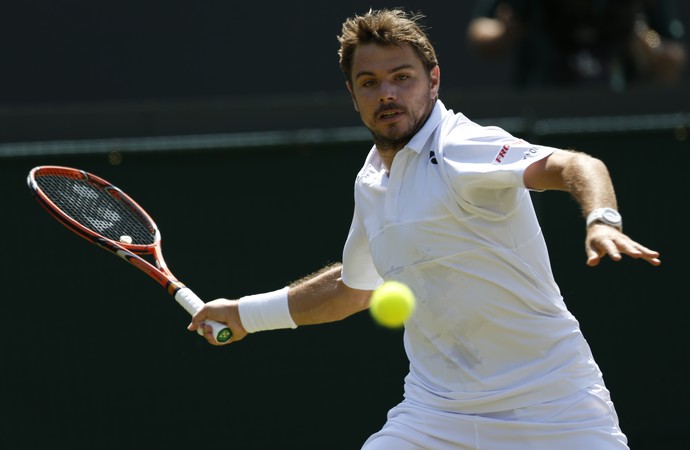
{"x": 358, "y": 270}
{"x": 484, "y": 167}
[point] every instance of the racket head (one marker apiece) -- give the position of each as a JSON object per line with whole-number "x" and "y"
{"x": 94, "y": 208}
{"x": 102, "y": 213}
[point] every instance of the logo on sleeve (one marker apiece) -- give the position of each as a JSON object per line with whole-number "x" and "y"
{"x": 501, "y": 154}
{"x": 532, "y": 152}
{"x": 504, "y": 151}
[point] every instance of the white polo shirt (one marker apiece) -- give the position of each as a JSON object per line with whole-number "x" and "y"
{"x": 455, "y": 222}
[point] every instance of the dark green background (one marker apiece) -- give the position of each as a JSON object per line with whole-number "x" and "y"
{"x": 96, "y": 355}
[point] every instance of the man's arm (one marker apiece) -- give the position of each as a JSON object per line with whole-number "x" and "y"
{"x": 323, "y": 297}
{"x": 587, "y": 179}
{"x": 319, "y": 298}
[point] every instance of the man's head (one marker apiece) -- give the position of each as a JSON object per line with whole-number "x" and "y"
{"x": 387, "y": 28}
{"x": 392, "y": 74}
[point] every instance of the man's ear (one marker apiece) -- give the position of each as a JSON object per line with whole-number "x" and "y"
{"x": 435, "y": 81}
{"x": 352, "y": 95}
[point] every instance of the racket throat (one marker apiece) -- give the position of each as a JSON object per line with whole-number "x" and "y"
{"x": 174, "y": 286}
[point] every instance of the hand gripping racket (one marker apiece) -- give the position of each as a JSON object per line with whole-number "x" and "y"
{"x": 103, "y": 214}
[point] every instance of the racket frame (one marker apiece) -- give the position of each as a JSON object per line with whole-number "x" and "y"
{"x": 132, "y": 253}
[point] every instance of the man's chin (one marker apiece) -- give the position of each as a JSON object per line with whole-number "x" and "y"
{"x": 386, "y": 142}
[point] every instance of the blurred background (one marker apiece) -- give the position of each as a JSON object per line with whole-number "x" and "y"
{"x": 230, "y": 123}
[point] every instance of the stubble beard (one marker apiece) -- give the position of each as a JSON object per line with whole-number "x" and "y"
{"x": 394, "y": 139}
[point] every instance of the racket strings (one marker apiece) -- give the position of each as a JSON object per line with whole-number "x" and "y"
{"x": 100, "y": 209}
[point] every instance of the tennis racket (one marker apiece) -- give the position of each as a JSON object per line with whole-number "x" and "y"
{"x": 106, "y": 216}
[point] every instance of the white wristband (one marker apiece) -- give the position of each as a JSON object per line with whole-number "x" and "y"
{"x": 267, "y": 311}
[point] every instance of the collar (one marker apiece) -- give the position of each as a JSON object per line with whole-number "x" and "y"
{"x": 422, "y": 136}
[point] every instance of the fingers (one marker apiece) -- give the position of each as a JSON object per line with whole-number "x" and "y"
{"x": 210, "y": 338}
{"x": 652, "y": 258}
{"x": 207, "y": 332}
{"x": 593, "y": 258}
{"x": 637, "y": 251}
{"x": 607, "y": 247}
{"x": 615, "y": 244}
{"x": 197, "y": 324}
{"x": 219, "y": 310}
{"x": 197, "y": 319}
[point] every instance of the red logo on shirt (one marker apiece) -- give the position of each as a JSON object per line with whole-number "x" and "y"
{"x": 504, "y": 151}
{"x": 501, "y": 154}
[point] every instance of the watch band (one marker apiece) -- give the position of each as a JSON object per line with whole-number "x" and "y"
{"x": 608, "y": 216}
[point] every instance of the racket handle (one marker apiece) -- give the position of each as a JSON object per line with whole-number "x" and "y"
{"x": 192, "y": 303}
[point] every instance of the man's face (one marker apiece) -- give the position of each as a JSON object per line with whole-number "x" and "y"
{"x": 393, "y": 92}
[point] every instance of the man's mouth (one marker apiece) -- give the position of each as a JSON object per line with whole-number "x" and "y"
{"x": 390, "y": 114}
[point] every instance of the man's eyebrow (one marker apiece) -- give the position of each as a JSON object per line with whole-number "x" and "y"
{"x": 393, "y": 70}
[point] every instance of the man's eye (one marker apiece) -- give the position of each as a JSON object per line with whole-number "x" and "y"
{"x": 368, "y": 83}
{"x": 402, "y": 77}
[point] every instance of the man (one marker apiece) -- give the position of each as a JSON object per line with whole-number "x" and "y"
{"x": 443, "y": 205}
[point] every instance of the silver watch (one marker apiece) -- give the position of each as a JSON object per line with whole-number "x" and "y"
{"x": 609, "y": 216}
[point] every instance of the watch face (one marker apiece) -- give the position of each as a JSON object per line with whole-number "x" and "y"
{"x": 611, "y": 215}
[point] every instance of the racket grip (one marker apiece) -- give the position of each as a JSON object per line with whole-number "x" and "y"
{"x": 192, "y": 303}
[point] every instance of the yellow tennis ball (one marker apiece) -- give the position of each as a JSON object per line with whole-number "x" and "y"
{"x": 392, "y": 303}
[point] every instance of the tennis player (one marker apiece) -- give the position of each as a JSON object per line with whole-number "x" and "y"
{"x": 443, "y": 205}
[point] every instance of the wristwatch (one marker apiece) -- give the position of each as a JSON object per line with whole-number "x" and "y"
{"x": 609, "y": 216}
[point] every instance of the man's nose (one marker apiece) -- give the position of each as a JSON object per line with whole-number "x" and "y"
{"x": 388, "y": 92}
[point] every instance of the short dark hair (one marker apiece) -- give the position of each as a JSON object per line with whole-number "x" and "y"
{"x": 384, "y": 27}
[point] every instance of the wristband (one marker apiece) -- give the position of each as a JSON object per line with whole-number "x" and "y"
{"x": 267, "y": 311}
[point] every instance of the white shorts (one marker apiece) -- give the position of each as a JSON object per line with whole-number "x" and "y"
{"x": 585, "y": 420}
